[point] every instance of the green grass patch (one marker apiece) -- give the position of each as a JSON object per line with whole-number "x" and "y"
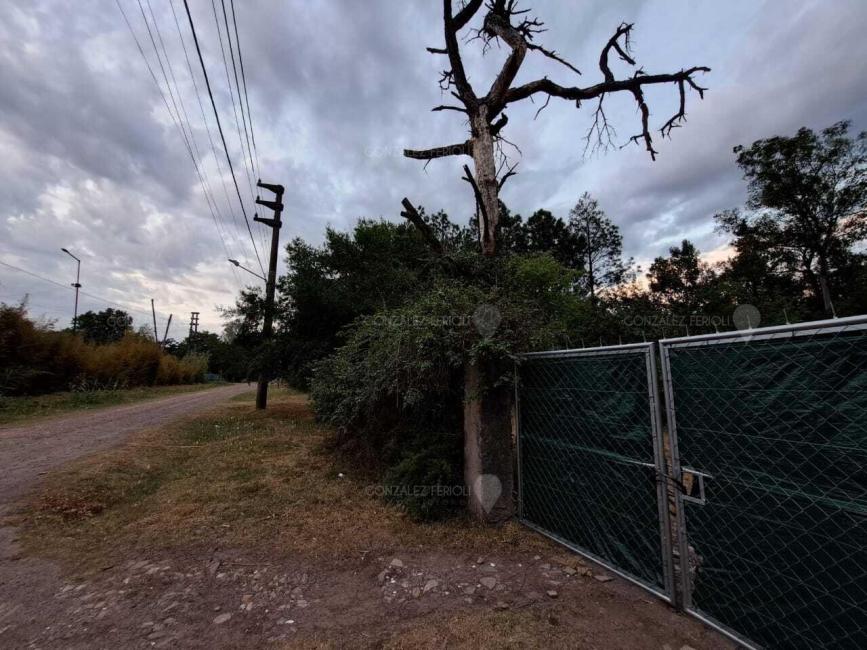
{"x": 19, "y": 409}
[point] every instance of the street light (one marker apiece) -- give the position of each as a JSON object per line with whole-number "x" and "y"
{"x": 77, "y": 286}
{"x": 241, "y": 266}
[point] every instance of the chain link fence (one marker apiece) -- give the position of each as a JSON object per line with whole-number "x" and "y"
{"x": 590, "y": 458}
{"x": 769, "y": 444}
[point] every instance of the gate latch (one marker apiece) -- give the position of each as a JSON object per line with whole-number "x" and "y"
{"x": 692, "y": 485}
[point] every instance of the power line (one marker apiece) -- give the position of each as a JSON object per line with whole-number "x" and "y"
{"x": 222, "y": 135}
{"x": 237, "y": 88}
{"x": 249, "y": 118}
{"x": 172, "y": 115}
{"x": 246, "y": 98}
{"x": 244, "y": 156}
{"x": 234, "y": 213}
{"x": 186, "y": 118}
{"x": 83, "y": 293}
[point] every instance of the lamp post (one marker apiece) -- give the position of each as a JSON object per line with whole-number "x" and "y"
{"x": 77, "y": 286}
{"x": 241, "y": 266}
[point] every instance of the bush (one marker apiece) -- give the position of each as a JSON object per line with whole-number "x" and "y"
{"x": 394, "y": 391}
{"x": 35, "y": 360}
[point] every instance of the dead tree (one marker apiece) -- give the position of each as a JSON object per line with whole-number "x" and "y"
{"x": 504, "y": 22}
{"x": 488, "y": 403}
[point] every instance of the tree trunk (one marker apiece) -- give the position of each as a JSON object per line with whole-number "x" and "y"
{"x": 486, "y": 180}
{"x": 823, "y": 285}
{"x": 488, "y": 464}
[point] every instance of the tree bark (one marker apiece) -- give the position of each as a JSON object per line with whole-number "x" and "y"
{"x": 486, "y": 179}
{"x": 488, "y": 467}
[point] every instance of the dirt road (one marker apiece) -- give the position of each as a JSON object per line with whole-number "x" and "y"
{"x": 30, "y": 450}
{"x": 27, "y": 452}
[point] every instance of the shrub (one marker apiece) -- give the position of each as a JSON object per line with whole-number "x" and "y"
{"x": 35, "y": 359}
{"x": 394, "y": 391}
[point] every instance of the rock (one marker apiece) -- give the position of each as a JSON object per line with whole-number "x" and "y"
{"x": 430, "y": 584}
{"x": 480, "y": 560}
{"x": 416, "y": 592}
{"x": 552, "y": 593}
{"x": 545, "y": 566}
{"x": 396, "y": 563}
{"x": 381, "y": 577}
{"x": 301, "y": 603}
{"x": 213, "y": 566}
{"x": 489, "y": 582}
{"x": 222, "y": 618}
{"x": 297, "y": 591}
{"x": 534, "y": 595}
{"x": 246, "y": 598}
{"x": 603, "y": 578}
{"x": 569, "y": 571}
{"x": 501, "y": 605}
{"x": 488, "y": 568}
{"x": 470, "y": 590}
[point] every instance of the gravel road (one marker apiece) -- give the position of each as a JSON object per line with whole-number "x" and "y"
{"x": 28, "y": 451}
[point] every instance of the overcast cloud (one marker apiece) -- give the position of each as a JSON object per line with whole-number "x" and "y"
{"x": 92, "y": 161}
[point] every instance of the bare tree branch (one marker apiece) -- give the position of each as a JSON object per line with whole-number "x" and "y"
{"x": 412, "y": 215}
{"x": 645, "y": 129}
{"x": 511, "y": 172}
{"x": 480, "y": 204}
{"x": 463, "y": 149}
{"x": 551, "y": 54}
{"x": 446, "y": 107}
{"x": 614, "y": 42}
{"x": 451, "y": 27}
{"x": 466, "y": 14}
{"x": 547, "y": 86}
{"x": 604, "y": 131}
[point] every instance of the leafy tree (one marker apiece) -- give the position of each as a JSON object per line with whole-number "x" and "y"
{"x": 808, "y": 197}
{"x": 104, "y": 327}
{"x": 601, "y": 246}
{"x": 682, "y": 282}
{"x": 546, "y": 233}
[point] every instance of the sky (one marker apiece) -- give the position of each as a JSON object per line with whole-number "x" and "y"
{"x": 94, "y": 161}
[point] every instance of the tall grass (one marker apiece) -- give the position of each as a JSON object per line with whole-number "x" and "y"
{"x": 35, "y": 359}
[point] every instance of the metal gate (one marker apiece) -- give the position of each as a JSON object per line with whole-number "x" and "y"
{"x": 590, "y": 458}
{"x": 769, "y": 442}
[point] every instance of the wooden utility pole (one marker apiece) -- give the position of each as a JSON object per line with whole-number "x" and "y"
{"x": 270, "y": 284}
{"x": 154, "y": 314}
{"x": 166, "y": 335}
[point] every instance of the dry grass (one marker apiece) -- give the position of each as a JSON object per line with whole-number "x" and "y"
{"x": 22, "y": 409}
{"x": 235, "y": 477}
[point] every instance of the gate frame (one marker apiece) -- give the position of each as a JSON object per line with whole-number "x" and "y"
{"x": 661, "y": 477}
{"x": 790, "y": 330}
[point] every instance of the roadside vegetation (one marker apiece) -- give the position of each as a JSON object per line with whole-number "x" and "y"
{"x": 35, "y": 359}
{"x": 263, "y": 481}
{"x": 25, "y": 408}
{"x": 381, "y": 322}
